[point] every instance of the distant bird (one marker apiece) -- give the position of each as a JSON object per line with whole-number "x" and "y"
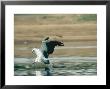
{"x": 47, "y": 48}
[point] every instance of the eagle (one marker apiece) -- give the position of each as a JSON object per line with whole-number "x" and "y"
{"x": 47, "y": 48}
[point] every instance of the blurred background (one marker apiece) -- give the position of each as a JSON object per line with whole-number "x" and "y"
{"x": 77, "y": 31}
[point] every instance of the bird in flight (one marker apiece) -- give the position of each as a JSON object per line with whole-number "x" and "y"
{"x": 47, "y": 48}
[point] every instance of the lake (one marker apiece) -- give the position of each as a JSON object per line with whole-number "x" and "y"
{"x": 61, "y": 66}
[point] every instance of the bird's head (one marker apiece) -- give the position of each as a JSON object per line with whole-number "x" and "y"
{"x": 59, "y": 43}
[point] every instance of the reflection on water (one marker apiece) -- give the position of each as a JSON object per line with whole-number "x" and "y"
{"x": 24, "y": 67}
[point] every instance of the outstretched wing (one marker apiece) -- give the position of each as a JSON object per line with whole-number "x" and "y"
{"x": 37, "y": 52}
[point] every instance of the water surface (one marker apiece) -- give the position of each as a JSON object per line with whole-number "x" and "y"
{"x": 61, "y": 66}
